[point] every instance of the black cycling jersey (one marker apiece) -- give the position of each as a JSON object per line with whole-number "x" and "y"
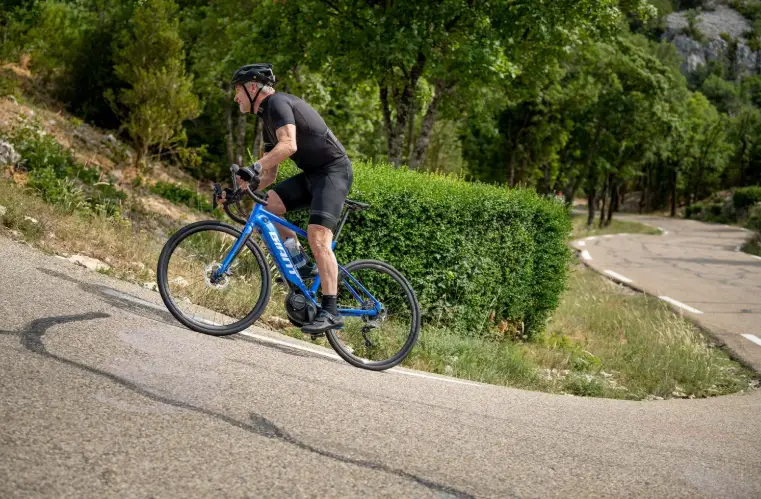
{"x": 316, "y": 145}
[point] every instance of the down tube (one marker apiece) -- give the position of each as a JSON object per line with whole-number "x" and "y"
{"x": 280, "y": 256}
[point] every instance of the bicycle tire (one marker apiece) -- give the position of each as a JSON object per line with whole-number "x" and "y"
{"x": 163, "y": 284}
{"x": 381, "y": 365}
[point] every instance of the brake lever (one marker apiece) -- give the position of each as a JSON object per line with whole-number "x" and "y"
{"x": 217, "y": 195}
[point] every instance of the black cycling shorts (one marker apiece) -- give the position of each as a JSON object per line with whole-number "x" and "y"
{"x": 323, "y": 191}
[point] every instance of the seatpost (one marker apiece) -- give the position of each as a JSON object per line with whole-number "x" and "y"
{"x": 341, "y": 224}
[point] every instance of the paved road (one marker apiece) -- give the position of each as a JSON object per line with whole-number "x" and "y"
{"x": 698, "y": 269}
{"x": 101, "y": 394}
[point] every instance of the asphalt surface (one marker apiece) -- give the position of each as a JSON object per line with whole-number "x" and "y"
{"x": 103, "y": 395}
{"x": 698, "y": 269}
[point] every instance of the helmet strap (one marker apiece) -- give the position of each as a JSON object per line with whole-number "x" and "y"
{"x": 250, "y": 100}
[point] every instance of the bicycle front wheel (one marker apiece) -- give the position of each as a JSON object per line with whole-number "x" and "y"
{"x": 375, "y": 342}
{"x": 220, "y": 306}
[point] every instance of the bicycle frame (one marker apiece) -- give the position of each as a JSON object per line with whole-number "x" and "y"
{"x": 264, "y": 223}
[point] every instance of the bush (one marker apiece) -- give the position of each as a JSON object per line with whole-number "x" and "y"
{"x": 475, "y": 254}
{"x": 59, "y": 191}
{"x": 745, "y": 197}
{"x": 59, "y": 179}
{"x": 107, "y": 198}
{"x": 182, "y": 195}
{"x": 9, "y": 85}
{"x": 40, "y": 151}
{"x": 694, "y": 211}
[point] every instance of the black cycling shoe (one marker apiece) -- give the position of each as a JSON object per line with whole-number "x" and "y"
{"x": 324, "y": 321}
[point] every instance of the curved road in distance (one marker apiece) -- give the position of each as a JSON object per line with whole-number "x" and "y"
{"x": 697, "y": 268}
{"x": 102, "y": 394}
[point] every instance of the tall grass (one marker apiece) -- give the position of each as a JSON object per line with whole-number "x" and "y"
{"x": 617, "y": 226}
{"x": 603, "y": 340}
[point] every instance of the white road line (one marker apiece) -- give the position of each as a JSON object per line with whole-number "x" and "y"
{"x": 608, "y": 236}
{"x": 290, "y": 345}
{"x": 585, "y": 255}
{"x": 267, "y": 339}
{"x": 752, "y": 337}
{"x": 680, "y": 304}
{"x": 428, "y": 376}
{"x": 125, "y": 296}
{"x": 618, "y": 276}
{"x": 591, "y": 238}
{"x": 336, "y": 357}
{"x": 582, "y": 243}
{"x": 665, "y": 232}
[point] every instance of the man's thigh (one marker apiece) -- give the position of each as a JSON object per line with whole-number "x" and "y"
{"x": 293, "y": 194}
{"x": 329, "y": 191}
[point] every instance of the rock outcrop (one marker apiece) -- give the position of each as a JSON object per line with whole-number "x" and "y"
{"x": 724, "y": 30}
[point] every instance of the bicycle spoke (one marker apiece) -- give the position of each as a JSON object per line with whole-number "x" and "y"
{"x": 202, "y": 298}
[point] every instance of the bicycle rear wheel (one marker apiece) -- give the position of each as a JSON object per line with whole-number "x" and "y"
{"x": 383, "y": 341}
{"x": 221, "y": 306}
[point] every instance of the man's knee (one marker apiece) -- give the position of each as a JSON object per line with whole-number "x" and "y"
{"x": 275, "y": 204}
{"x": 320, "y": 239}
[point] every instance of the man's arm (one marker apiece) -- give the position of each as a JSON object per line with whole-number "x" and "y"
{"x": 267, "y": 177}
{"x": 286, "y": 146}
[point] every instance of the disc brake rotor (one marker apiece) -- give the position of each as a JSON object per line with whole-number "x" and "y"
{"x": 220, "y": 282}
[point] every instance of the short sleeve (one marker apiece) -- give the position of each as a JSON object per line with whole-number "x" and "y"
{"x": 281, "y": 112}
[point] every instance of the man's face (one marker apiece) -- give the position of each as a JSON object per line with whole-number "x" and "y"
{"x": 240, "y": 98}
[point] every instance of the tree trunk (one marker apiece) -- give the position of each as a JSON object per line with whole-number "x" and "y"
{"x": 410, "y": 136}
{"x": 643, "y": 194}
{"x": 570, "y": 191}
{"x": 229, "y": 141}
{"x": 613, "y": 205}
{"x": 591, "y": 207}
{"x": 257, "y": 149}
{"x": 605, "y": 188}
{"x": 674, "y": 174}
{"x": 396, "y": 140}
{"x": 417, "y": 157}
{"x": 386, "y": 108}
{"x": 511, "y": 180}
{"x": 240, "y": 145}
{"x": 592, "y": 175}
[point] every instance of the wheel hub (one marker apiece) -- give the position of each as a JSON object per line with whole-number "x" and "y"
{"x": 216, "y": 281}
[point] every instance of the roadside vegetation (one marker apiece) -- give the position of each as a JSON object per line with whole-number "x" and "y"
{"x": 616, "y": 226}
{"x": 603, "y": 340}
{"x": 740, "y": 207}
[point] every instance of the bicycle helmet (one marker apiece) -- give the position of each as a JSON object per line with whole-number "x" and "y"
{"x": 260, "y": 72}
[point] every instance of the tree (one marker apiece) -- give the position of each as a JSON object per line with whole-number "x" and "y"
{"x": 151, "y": 62}
{"x": 451, "y": 44}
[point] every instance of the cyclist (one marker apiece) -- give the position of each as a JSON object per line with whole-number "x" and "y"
{"x": 293, "y": 129}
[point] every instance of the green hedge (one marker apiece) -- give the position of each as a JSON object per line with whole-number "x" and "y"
{"x": 475, "y": 254}
{"x": 745, "y": 197}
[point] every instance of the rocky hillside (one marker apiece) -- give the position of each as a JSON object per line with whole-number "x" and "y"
{"x": 92, "y": 148}
{"x": 717, "y": 32}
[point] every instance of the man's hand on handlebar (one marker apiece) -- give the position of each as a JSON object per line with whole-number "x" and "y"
{"x": 248, "y": 181}
{"x": 245, "y": 177}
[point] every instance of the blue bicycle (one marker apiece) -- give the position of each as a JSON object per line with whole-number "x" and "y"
{"x": 216, "y": 279}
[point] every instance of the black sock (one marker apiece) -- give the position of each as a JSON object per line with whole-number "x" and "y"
{"x": 329, "y": 304}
